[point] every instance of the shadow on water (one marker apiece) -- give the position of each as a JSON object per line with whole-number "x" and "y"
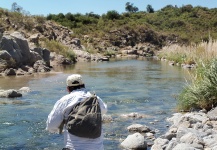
{"x": 143, "y": 86}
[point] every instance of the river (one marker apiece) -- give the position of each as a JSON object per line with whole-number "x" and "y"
{"x": 145, "y": 86}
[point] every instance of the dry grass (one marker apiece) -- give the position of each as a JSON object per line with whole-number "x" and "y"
{"x": 201, "y": 91}
{"x": 204, "y": 51}
{"x": 59, "y": 48}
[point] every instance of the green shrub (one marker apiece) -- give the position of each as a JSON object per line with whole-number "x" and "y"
{"x": 109, "y": 53}
{"x": 202, "y": 92}
{"x": 59, "y": 48}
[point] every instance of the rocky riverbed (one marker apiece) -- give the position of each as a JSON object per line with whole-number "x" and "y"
{"x": 188, "y": 131}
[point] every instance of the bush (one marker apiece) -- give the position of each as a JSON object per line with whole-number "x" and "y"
{"x": 112, "y": 15}
{"x": 57, "y": 47}
{"x": 40, "y": 19}
{"x": 202, "y": 92}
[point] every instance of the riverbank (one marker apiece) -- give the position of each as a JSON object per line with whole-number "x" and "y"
{"x": 193, "y": 130}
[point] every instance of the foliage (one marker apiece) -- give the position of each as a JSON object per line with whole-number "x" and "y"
{"x": 112, "y": 15}
{"x": 202, "y": 92}
{"x": 191, "y": 54}
{"x": 16, "y": 8}
{"x": 189, "y": 24}
{"x": 150, "y": 9}
{"x": 109, "y": 53}
{"x": 130, "y": 8}
{"x": 59, "y": 48}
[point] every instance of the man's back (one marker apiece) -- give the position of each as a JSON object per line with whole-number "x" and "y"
{"x": 60, "y": 112}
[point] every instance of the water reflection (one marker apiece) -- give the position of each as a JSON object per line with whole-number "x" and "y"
{"x": 143, "y": 86}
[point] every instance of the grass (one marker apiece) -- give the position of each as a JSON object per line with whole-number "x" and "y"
{"x": 59, "y": 48}
{"x": 193, "y": 53}
{"x": 201, "y": 93}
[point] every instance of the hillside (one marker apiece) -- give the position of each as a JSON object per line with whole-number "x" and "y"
{"x": 112, "y": 32}
{"x": 170, "y": 24}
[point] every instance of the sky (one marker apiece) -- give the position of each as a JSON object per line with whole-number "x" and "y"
{"x": 45, "y": 7}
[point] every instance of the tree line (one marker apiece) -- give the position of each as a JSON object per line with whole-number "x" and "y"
{"x": 191, "y": 24}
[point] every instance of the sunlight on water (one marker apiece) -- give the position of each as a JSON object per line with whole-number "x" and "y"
{"x": 143, "y": 86}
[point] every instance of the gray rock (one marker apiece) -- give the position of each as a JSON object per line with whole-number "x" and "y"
{"x": 76, "y": 42}
{"x": 175, "y": 119}
{"x": 40, "y": 66}
{"x": 34, "y": 38}
{"x": 25, "y": 89}
{"x": 183, "y": 146}
{"x": 37, "y": 50}
{"x": 46, "y": 56}
{"x": 134, "y": 141}
{"x": 133, "y": 115}
{"x": 210, "y": 141}
{"x": 9, "y": 72}
{"x": 5, "y": 55}
{"x": 6, "y": 59}
{"x": 34, "y": 57}
{"x": 212, "y": 114}
{"x": 194, "y": 131}
{"x": 10, "y": 45}
{"x": 23, "y": 47}
{"x": 170, "y": 135}
{"x": 138, "y": 128}
{"x": 20, "y": 72}
{"x": 171, "y": 144}
{"x": 10, "y": 93}
{"x": 160, "y": 143}
{"x": 193, "y": 139}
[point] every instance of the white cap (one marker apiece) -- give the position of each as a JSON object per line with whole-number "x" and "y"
{"x": 74, "y": 80}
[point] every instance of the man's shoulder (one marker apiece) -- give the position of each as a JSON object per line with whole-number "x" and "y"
{"x": 66, "y": 98}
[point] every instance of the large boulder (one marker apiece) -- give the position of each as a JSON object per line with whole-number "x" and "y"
{"x": 17, "y": 52}
{"x": 17, "y": 46}
{"x": 135, "y": 141}
{"x": 23, "y": 47}
{"x": 11, "y": 47}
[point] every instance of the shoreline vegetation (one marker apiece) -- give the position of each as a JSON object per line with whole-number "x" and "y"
{"x": 201, "y": 91}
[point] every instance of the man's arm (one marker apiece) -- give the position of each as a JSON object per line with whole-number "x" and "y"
{"x": 55, "y": 118}
{"x": 103, "y": 106}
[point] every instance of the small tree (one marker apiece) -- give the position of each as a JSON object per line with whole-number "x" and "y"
{"x": 130, "y": 8}
{"x": 112, "y": 15}
{"x": 150, "y": 9}
{"x": 16, "y": 8}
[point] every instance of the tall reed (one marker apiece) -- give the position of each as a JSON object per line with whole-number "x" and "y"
{"x": 193, "y": 53}
{"x": 201, "y": 91}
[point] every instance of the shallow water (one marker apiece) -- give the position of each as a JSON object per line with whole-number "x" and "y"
{"x": 144, "y": 86}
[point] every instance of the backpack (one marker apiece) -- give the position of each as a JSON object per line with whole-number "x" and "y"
{"x": 85, "y": 119}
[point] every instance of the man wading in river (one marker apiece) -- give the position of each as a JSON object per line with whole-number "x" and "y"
{"x": 58, "y": 118}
